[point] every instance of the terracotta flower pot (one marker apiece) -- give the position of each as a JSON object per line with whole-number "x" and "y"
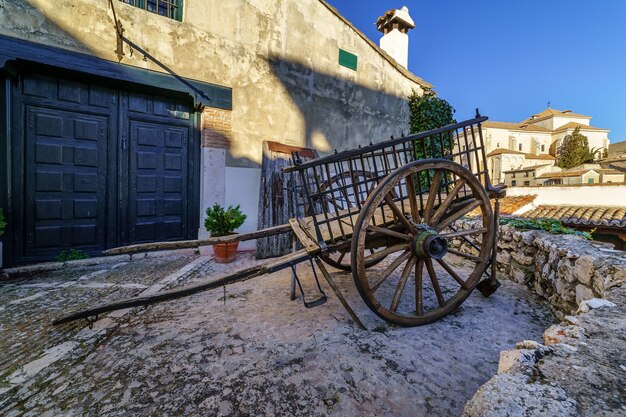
{"x": 225, "y": 252}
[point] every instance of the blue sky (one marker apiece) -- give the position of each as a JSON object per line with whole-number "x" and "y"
{"x": 509, "y": 58}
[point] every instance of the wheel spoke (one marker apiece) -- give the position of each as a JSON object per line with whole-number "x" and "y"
{"x": 468, "y": 232}
{"x": 377, "y": 256}
{"x": 392, "y": 267}
{"x": 410, "y": 189}
{"x": 453, "y": 274}
{"x": 402, "y": 283}
{"x": 464, "y": 255}
{"x": 389, "y": 232}
{"x": 446, "y": 203}
{"x": 457, "y": 215}
{"x": 435, "y": 282}
{"x": 341, "y": 256}
{"x": 419, "y": 297}
{"x": 396, "y": 211}
{"x": 432, "y": 193}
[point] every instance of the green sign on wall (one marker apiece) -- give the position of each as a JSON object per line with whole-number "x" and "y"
{"x": 347, "y": 59}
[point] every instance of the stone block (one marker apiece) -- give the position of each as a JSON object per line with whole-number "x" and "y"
{"x": 522, "y": 259}
{"x": 553, "y": 335}
{"x": 565, "y": 270}
{"x": 583, "y": 269}
{"x": 518, "y": 275}
{"x": 583, "y": 293}
{"x": 561, "y": 286}
{"x": 516, "y": 360}
{"x": 504, "y": 257}
{"x": 598, "y": 303}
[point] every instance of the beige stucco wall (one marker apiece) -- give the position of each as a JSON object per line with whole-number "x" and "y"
{"x": 558, "y": 121}
{"x": 613, "y": 178}
{"x": 279, "y": 57}
{"x": 504, "y": 162}
{"x": 617, "y": 149}
{"x": 597, "y": 139}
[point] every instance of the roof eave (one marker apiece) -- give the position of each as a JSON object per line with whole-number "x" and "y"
{"x": 408, "y": 74}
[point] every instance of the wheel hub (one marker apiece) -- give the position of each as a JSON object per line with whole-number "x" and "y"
{"x": 428, "y": 244}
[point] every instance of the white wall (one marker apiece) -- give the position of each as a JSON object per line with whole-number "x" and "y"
{"x": 242, "y": 187}
{"x": 596, "y": 195}
{"x": 558, "y": 121}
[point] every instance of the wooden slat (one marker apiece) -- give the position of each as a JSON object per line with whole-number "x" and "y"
{"x": 184, "y": 244}
{"x": 276, "y": 201}
{"x": 309, "y": 244}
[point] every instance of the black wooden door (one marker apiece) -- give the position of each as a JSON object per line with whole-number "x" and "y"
{"x": 62, "y": 167}
{"x": 158, "y": 184}
{"x": 95, "y": 168}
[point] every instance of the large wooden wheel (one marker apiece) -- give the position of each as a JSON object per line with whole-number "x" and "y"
{"x": 416, "y": 207}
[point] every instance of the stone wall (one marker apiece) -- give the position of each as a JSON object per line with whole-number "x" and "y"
{"x": 578, "y": 369}
{"x": 564, "y": 269}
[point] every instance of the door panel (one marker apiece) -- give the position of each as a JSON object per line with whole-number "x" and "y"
{"x": 65, "y": 181}
{"x": 158, "y": 177}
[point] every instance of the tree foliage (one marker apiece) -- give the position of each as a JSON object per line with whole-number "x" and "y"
{"x": 429, "y": 112}
{"x": 575, "y": 150}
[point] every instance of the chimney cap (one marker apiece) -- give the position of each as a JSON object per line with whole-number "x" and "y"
{"x": 395, "y": 19}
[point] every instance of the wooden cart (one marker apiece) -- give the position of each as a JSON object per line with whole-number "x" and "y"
{"x": 387, "y": 212}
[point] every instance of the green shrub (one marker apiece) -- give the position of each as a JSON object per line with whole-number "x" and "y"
{"x": 3, "y": 223}
{"x": 220, "y": 222}
{"x": 71, "y": 255}
{"x": 549, "y": 225}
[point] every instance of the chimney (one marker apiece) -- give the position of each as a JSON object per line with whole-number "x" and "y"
{"x": 395, "y": 24}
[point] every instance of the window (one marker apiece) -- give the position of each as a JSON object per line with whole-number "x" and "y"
{"x": 526, "y": 183}
{"x": 513, "y": 183}
{"x": 543, "y": 148}
{"x": 526, "y": 174}
{"x": 168, "y": 8}
{"x": 513, "y": 175}
{"x": 498, "y": 145}
{"x": 590, "y": 181}
{"x": 348, "y": 60}
{"x": 519, "y": 146}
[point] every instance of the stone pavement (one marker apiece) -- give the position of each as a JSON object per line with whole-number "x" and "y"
{"x": 257, "y": 353}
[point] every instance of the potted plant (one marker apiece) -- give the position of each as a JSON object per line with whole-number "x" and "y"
{"x": 3, "y": 224}
{"x": 223, "y": 222}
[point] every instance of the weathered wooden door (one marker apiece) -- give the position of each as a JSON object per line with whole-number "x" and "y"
{"x": 156, "y": 149}
{"x": 96, "y": 167}
{"x": 276, "y": 196}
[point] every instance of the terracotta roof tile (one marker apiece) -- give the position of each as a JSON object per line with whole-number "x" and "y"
{"x": 500, "y": 151}
{"x": 510, "y": 204}
{"x": 547, "y": 113}
{"x": 540, "y": 156}
{"x": 563, "y": 174}
{"x": 527, "y": 169}
{"x": 515, "y": 126}
{"x": 580, "y": 215}
{"x": 574, "y": 125}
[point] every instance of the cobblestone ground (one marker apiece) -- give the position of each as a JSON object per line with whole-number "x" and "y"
{"x": 256, "y": 354}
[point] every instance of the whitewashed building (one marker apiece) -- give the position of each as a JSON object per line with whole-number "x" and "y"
{"x": 535, "y": 140}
